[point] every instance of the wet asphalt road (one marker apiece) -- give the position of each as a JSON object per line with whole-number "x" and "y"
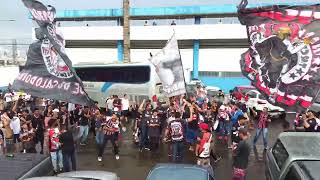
{"x": 134, "y": 165}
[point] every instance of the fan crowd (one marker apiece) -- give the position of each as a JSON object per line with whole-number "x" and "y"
{"x": 33, "y": 125}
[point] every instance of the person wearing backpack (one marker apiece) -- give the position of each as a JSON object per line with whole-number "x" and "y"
{"x": 175, "y": 134}
{"x": 203, "y": 148}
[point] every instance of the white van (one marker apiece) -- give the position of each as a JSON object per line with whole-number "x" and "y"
{"x": 137, "y": 80}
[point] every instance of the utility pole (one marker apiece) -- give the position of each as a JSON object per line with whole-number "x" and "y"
{"x": 14, "y": 51}
{"x": 126, "y": 31}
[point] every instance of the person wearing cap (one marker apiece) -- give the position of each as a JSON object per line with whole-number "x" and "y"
{"x": 241, "y": 156}
{"x": 224, "y": 119}
{"x": 203, "y": 147}
{"x": 55, "y": 145}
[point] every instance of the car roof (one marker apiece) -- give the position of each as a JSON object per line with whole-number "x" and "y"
{"x": 178, "y": 172}
{"x": 310, "y": 168}
{"x": 249, "y": 87}
{"x": 51, "y": 178}
{"x": 301, "y": 145}
{"x": 101, "y": 175}
{"x": 254, "y": 90}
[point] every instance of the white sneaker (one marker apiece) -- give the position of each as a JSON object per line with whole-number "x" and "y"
{"x": 99, "y": 159}
{"x": 117, "y": 157}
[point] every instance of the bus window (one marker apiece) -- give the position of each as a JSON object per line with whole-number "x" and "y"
{"x": 116, "y": 74}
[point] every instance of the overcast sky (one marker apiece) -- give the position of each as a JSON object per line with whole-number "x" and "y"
{"x": 21, "y": 27}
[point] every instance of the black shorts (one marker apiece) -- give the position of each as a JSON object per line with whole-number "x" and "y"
{"x": 125, "y": 113}
{"x": 16, "y": 138}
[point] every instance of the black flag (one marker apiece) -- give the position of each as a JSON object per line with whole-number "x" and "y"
{"x": 283, "y": 61}
{"x": 48, "y": 72}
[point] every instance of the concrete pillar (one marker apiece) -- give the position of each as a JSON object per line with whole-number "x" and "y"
{"x": 120, "y": 43}
{"x": 126, "y": 31}
{"x": 196, "y": 46}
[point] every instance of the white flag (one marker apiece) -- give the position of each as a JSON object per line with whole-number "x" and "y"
{"x": 169, "y": 68}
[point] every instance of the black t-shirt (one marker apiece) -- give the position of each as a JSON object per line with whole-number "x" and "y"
{"x": 67, "y": 141}
{"x": 186, "y": 113}
{"x": 145, "y": 118}
{"x": 194, "y": 123}
{"x": 242, "y": 155}
{"x": 312, "y": 122}
{"x": 154, "y": 131}
{"x": 235, "y": 133}
{"x": 83, "y": 120}
{"x": 243, "y": 107}
{"x": 162, "y": 113}
{"x": 38, "y": 123}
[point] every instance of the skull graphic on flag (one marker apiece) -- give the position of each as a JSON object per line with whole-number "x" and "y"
{"x": 283, "y": 61}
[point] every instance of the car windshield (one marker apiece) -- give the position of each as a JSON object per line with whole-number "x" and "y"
{"x": 261, "y": 97}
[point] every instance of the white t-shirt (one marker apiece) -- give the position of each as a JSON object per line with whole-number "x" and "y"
{"x": 15, "y": 125}
{"x": 8, "y": 97}
{"x": 125, "y": 104}
{"x": 71, "y": 107}
{"x": 110, "y": 104}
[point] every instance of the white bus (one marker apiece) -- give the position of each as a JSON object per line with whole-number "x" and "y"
{"x": 138, "y": 80}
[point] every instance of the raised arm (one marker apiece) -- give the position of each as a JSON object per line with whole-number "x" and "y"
{"x": 141, "y": 106}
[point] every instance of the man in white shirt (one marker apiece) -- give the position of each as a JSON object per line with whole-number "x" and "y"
{"x": 16, "y": 128}
{"x": 109, "y": 103}
{"x": 125, "y": 107}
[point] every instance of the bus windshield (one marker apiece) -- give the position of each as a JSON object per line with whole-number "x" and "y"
{"x": 116, "y": 74}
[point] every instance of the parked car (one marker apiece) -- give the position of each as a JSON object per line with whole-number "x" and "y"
{"x": 212, "y": 91}
{"x": 258, "y": 101}
{"x": 294, "y": 156}
{"x": 239, "y": 92}
{"x": 180, "y": 172}
{"x": 197, "y": 82}
{"x": 80, "y": 175}
{"x": 97, "y": 175}
{"x": 23, "y": 166}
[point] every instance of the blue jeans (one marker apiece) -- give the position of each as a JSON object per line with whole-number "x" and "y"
{"x": 143, "y": 137}
{"x": 224, "y": 128}
{"x": 56, "y": 159}
{"x": 177, "y": 151}
{"x": 99, "y": 137}
{"x": 83, "y": 133}
{"x": 191, "y": 136}
{"x": 264, "y": 132}
{"x": 67, "y": 157}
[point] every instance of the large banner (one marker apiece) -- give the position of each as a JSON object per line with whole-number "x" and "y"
{"x": 48, "y": 72}
{"x": 283, "y": 60}
{"x": 169, "y": 68}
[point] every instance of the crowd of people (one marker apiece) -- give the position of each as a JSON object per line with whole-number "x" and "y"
{"x": 194, "y": 123}
{"x": 55, "y": 128}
